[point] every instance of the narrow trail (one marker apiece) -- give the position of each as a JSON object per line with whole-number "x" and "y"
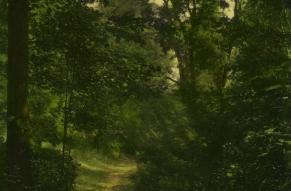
{"x": 97, "y": 174}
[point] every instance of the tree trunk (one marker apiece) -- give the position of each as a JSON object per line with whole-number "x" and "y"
{"x": 18, "y": 146}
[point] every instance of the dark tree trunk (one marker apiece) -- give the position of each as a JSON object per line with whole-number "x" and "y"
{"x": 18, "y": 146}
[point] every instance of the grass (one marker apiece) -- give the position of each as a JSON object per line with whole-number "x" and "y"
{"x": 99, "y": 173}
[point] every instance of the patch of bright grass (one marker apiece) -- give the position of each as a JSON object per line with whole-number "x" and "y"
{"x": 100, "y": 173}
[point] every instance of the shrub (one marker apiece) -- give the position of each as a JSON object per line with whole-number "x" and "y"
{"x": 50, "y": 171}
{"x": 53, "y": 172}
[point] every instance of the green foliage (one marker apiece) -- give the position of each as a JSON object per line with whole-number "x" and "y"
{"x": 98, "y": 59}
{"x": 52, "y": 172}
{"x": 233, "y": 84}
{"x": 49, "y": 171}
{"x": 102, "y": 75}
{"x": 259, "y": 156}
{"x": 3, "y": 59}
{"x": 169, "y": 135}
{"x": 2, "y": 163}
{"x": 45, "y": 117}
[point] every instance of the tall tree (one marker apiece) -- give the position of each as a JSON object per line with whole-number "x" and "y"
{"x": 18, "y": 147}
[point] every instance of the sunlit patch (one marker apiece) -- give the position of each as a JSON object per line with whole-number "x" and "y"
{"x": 98, "y": 173}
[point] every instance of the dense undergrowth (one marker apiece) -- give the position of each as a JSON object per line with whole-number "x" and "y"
{"x": 53, "y": 172}
{"x": 197, "y": 92}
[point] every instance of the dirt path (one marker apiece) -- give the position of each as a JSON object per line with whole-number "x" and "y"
{"x": 97, "y": 174}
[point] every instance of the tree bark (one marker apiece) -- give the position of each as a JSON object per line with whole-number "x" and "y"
{"x": 18, "y": 142}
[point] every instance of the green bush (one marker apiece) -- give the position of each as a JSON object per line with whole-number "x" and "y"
{"x": 52, "y": 172}
{"x": 49, "y": 172}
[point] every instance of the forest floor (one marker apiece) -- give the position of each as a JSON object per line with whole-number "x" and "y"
{"x": 97, "y": 173}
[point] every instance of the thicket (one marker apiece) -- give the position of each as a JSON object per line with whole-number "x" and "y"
{"x": 197, "y": 90}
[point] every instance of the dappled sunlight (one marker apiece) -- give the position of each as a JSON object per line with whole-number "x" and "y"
{"x": 97, "y": 173}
